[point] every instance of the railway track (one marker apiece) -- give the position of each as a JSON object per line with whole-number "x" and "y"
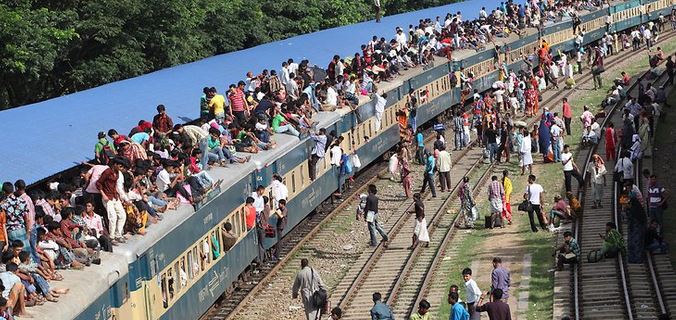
{"x": 235, "y": 304}
{"x": 421, "y": 286}
{"x": 638, "y": 284}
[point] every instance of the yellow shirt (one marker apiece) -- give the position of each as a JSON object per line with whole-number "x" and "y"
{"x": 508, "y": 188}
{"x": 217, "y": 104}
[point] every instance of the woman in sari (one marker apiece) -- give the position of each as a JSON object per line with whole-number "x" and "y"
{"x": 545, "y": 141}
{"x": 644, "y": 134}
{"x": 637, "y": 227}
{"x": 531, "y": 96}
{"x": 405, "y": 169}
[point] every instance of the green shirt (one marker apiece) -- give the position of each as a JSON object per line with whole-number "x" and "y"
{"x": 277, "y": 120}
{"x": 614, "y": 240}
{"x": 213, "y": 143}
{"x": 102, "y": 143}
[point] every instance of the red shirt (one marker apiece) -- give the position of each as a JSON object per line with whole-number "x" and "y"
{"x": 567, "y": 112}
{"x": 107, "y": 184}
{"x": 250, "y": 217}
{"x": 236, "y": 100}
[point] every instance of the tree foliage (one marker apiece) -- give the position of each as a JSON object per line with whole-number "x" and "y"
{"x": 53, "y": 47}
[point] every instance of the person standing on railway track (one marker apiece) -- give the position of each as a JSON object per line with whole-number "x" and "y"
{"x": 420, "y": 233}
{"x": 444, "y": 164}
{"x": 371, "y": 212}
{"x": 307, "y": 283}
{"x": 380, "y": 310}
{"x": 657, "y": 200}
{"x": 458, "y": 131}
{"x": 597, "y": 170}
{"x": 428, "y": 178}
{"x": 570, "y": 169}
{"x": 466, "y": 203}
{"x": 496, "y": 193}
{"x": 473, "y": 294}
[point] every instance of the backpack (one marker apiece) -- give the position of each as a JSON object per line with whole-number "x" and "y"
{"x": 106, "y": 154}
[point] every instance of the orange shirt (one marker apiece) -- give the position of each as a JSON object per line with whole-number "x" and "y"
{"x": 3, "y": 221}
{"x": 250, "y": 217}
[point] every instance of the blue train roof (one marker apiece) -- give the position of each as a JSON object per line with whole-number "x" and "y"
{"x": 47, "y": 137}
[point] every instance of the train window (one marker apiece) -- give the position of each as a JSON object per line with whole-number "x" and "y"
{"x": 204, "y": 254}
{"x": 215, "y": 246}
{"x": 184, "y": 275}
{"x": 293, "y": 182}
{"x": 177, "y": 273}
{"x": 302, "y": 176}
{"x": 242, "y": 222}
{"x": 165, "y": 294}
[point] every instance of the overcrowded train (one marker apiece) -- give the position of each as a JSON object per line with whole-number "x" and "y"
{"x": 164, "y": 275}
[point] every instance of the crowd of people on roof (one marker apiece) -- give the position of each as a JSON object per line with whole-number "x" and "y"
{"x": 160, "y": 165}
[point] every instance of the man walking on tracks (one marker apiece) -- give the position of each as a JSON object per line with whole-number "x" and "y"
{"x": 380, "y": 311}
{"x": 307, "y": 283}
{"x": 500, "y": 280}
{"x": 496, "y": 193}
{"x": 371, "y": 211}
{"x": 444, "y": 165}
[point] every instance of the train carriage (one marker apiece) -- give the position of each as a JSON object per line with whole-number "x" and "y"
{"x": 166, "y": 273}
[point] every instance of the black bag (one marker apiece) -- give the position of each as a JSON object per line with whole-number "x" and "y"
{"x": 594, "y": 256}
{"x": 617, "y": 176}
{"x": 525, "y": 206}
{"x": 487, "y": 222}
{"x": 320, "y": 297}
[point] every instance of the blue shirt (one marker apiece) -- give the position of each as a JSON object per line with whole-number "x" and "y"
{"x": 381, "y": 311}
{"x": 419, "y": 139}
{"x": 429, "y": 166}
{"x": 458, "y": 312}
{"x": 140, "y": 137}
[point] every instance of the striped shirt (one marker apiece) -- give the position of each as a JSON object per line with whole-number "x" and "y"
{"x": 496, "y": 190}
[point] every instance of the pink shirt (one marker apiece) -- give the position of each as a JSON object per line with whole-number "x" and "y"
{"x": 94, "y": 222}
{"x": 47, "y": 208}
{"x": 95, "y": 173}
{"x": 30, "y": 218}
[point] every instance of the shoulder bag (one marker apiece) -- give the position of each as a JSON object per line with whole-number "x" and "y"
{"x": 525, "y": 205}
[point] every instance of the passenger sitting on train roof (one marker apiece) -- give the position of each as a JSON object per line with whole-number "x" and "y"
{"x": 14, "y": 291}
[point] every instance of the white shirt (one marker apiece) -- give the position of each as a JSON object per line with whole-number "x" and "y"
{"x": 163, "y": 180}
{"x": 625, "y": 166}
{"x": 293, "y": 68}
{"x": 336, "y": 153}
{"x": 259, "y": 204}
{"x": 380, "y": 104}
{"x": 596, "y": 175}
{"x": 535, "y": 191}
{"x": 279, "y": 191}
{"x": 401, "y": 39}
{"x": 285, "y": 76}
{"x": 498, "y": 95}
{"x": 567, "y": 165}
{"x": 555, "y": 130}
{"x": 331, "y": 96}
{"x": 472, "y": 291}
